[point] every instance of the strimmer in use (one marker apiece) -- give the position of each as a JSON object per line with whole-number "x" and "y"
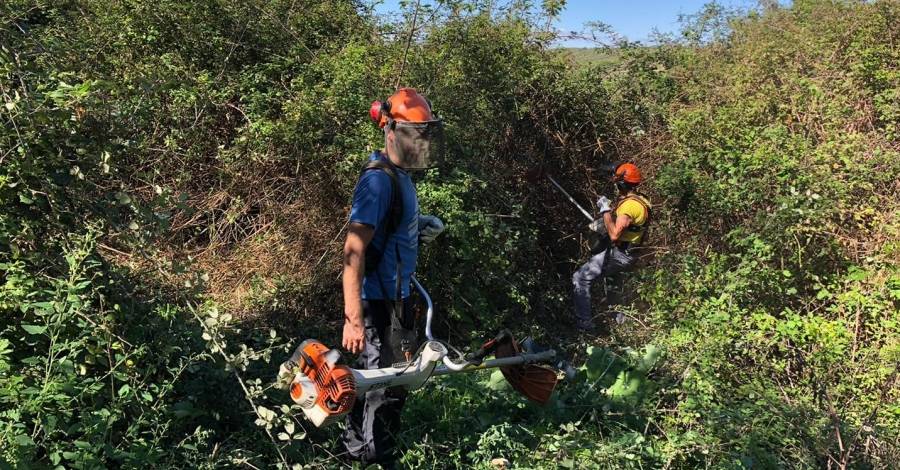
{"x": 326, "y": 389}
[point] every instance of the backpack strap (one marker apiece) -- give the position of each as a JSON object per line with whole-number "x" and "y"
{"x": 633, "y": 227}
{"x": 392, "y": 220}
{"x": 395, "y": 210}
{"x": 400, "y": 340}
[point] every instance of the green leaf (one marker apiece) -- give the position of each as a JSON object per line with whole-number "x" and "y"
{"x": 857, "y": 274}
{"x": 34, "y": 329}
{"x": 44, "y": 306}
{"x": 497, "y": 381}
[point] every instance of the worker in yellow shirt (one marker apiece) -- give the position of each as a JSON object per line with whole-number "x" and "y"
{"x": 625, "y": 225}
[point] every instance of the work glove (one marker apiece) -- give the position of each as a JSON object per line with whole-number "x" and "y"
{"x": 429, "y": 228}
{"x": 597, "y": 226}
{"x": 604, "y": 204}
{"x": 286, "y": 374}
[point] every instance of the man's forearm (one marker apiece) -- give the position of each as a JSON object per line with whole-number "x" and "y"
{"x": 610, "y": 224}
{"x": 354, "y": 267}
{"x": 358, "y": 237}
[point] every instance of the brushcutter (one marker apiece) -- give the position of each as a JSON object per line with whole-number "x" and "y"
{"x": 570, "y": 198}
{"x": 326, "y": 390}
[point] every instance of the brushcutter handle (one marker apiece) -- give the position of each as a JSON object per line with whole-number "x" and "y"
{"x": 430, "y": 312}
{"x": 488, "y": 347}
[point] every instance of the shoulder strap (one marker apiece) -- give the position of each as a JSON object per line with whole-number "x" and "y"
{"x": 395, "y": 210}
{"x": 640, "y": 201}
{"x": 393, "y": 218}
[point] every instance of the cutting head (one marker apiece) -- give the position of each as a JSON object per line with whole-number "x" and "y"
{"x": 535, "y": 381}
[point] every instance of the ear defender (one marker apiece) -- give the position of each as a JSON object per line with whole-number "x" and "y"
{"x": 375, "y": 111}
{"x": 378, "y": 110}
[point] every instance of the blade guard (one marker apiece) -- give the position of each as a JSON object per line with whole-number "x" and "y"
{"x": 324, "y": 389}
{"x": 534, "y": 381}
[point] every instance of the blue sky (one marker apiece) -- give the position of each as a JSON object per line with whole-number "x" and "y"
{"x": 633, "y": 19}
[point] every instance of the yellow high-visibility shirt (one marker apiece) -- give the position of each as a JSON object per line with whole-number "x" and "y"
{"x": 639, "y": 216}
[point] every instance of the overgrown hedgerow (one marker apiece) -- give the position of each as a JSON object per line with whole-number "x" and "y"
{"x": 175, "y": 176}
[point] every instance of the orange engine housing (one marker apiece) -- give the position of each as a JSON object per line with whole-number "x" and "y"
{"x": 334, "y": 383}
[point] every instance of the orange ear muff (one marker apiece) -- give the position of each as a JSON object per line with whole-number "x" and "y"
{"x": 375, "y": 110}
{"x": 378, "y": 111}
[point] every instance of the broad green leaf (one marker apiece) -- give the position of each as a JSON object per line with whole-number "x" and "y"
{"x": 34, "y": 329}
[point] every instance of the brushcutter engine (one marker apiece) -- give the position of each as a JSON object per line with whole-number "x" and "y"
{"x": 324, "y": 389}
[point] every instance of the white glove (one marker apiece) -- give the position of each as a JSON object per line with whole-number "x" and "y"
{"x": 286, "y": 373}
{"x": 597, "y": 225}
{"x": 604, "y": 204}
{"x": 429, "y": 228}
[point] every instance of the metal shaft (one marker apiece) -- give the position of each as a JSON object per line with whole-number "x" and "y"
{"x": 544, "y": 356}
{"x": 571, "y": 199}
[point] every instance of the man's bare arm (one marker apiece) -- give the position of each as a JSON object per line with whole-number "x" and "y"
{"x": 358, "y": 238}
{"x": 616, "y": 225}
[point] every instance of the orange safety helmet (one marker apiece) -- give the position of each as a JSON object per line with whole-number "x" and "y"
{"x": 404, "y": 105}
{"x": 628, "y": 173}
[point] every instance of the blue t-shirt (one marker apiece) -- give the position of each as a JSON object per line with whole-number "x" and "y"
{"x": 371, "y": 203}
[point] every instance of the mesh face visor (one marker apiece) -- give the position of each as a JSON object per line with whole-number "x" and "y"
{"x": 419, "y": 145}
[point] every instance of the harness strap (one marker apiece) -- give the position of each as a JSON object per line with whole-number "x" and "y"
{"x": 400, "y": 339}
{"x": 395, "y": 211}
{"x": 633, "y": 227}
{"x": 393, "y": 218}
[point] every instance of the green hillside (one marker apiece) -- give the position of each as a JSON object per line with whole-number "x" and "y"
{"x": 591, "y": 55}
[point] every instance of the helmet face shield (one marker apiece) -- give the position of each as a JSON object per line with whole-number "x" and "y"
{"x": 417, "y": 145}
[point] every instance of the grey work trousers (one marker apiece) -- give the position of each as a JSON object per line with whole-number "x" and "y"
{"x": 609, "y": 263}
{"x": 374, "y": 421}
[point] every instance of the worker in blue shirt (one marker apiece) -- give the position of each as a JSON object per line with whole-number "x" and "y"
{"x": 380, "y": 254}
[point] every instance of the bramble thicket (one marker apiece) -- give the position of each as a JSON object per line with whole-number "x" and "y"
{"x": 175, "y": 178}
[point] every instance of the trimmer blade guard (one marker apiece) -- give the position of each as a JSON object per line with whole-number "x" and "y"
{"x": 535, "y": 381}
